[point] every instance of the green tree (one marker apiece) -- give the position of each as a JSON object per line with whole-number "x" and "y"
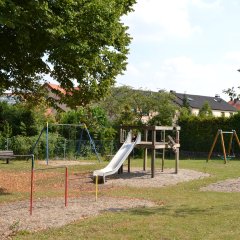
{"x": 186, "y": 106}
{"x": 205, "y": 110}
{"x": 18, "y": 119}
{"x": 232, "y": 93}
{"x": 125, "y": 105}
{"x": 164, "y": 108}
{"x": 95, "y": 119}
{"x": 81, "y": 44}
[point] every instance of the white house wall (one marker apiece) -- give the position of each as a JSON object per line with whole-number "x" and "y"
{"x": 216, "y": 113}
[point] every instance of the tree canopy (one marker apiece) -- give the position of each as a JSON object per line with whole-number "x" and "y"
{"x": 81, "y": 44}
{"x": 125, "y": 105}
{"x": 206, "y": 110}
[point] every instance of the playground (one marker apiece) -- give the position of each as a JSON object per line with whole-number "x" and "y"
{"x": 129, "y": 194}
{"x": 83, "y": 206}
{"x": 40, "y": 198}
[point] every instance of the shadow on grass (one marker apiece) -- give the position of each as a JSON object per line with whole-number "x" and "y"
{"x": 182, "y": 211}
{"x": 127, "y": 175}
{"x": 3, "y": 191}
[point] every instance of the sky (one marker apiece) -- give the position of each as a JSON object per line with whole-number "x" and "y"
{"x": 189, "y": 46}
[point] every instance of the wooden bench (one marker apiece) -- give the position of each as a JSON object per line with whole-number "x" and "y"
{"x": 7, "y": 154}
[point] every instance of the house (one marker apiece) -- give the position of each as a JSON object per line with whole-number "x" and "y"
{"x": 51, "y": 94}
{"x": 235, "y": 103}
{"x": 8, "y": 98}
{"x": 50, "y": 87}
{"x": 220, "y": 108}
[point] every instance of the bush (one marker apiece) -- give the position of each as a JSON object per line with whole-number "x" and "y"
{"x": 197, "y": 134}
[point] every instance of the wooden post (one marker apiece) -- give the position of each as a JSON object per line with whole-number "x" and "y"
{"x": 163, "y": 151}
{"x": 176, "y": 160}
{"x": 145, "y": 151}
{"x": 120, "y": 170}
{"x": 153, "y": 162}
{"x": 230, "y": 144}
{"x": 129, "y": 163}
{"x": 223, "y": 147}
{"x": 145, "y": 159}
{"x": 177, "y": 136}
{"x": 213, "y": 145}
{"x": 163, "y": 158}
{"x": 236, "y": 136}
{"x": 153, "y": 153}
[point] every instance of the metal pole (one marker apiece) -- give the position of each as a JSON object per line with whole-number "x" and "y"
{"x": 64, "y": 148}
{"x": 32, "y": 161}
{"x": 66, "y": 187}
{"x": 92, "y": 143}
{"x": 35, "y": 144}
{"x": 96, "y": 192}
{"x": 31, "y": 193}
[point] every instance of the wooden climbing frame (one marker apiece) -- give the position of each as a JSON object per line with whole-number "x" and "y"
{"x": 153, "y": 144}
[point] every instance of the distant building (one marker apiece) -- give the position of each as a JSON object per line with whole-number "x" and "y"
{"x": 8, "y": 98}
{"x": 220, "y": 108}
{"x": 59, "y": 106}
{"x": 235, "y": 103}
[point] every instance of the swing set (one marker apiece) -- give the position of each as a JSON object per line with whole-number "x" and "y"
{"x": 83, "y": 127}
{"x": 229, "y": 154}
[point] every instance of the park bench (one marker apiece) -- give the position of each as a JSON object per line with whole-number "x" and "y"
{"x": 6, "y": 154}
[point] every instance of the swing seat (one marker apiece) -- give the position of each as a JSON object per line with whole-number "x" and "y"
{"x": 228, "y": 157}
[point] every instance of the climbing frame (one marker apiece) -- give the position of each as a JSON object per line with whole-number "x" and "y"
{"x": 158, "y": 140}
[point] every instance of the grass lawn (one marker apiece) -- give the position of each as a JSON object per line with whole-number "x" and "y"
{"x": 183, "y": 212}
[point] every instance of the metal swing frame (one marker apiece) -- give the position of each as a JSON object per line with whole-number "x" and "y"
{"x": 46, "y": 128}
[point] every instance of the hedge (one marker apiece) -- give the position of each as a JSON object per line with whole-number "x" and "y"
{"x": 197, "y": 134}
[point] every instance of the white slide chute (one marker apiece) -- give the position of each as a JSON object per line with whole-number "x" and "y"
{"x": 119, "y": 157}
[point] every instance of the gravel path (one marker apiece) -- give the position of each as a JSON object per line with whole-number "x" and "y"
{"x": 229, "y": 185}
{"x": 49, "y": 213}
{"x": 139, "y": 178}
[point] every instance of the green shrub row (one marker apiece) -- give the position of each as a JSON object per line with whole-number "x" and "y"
{"x": 197, "y": 134}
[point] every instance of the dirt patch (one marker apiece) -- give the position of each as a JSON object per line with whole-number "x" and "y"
{"x": 229, "y": 185}
{"x": 49, "y": 213}
{"x": 20, "y": 182}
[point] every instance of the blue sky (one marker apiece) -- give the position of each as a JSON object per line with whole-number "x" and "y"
{"x": 190, "y": 46}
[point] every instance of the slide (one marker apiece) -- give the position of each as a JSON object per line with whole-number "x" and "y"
{"x": 119, "y": 158}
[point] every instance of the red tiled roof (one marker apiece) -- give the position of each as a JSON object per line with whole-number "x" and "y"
{"x": 235, "y": 104}
{"x": 56, "y": 87}
{"x": 60, "y": 89}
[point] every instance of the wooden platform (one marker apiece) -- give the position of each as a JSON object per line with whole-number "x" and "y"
{"x": 154, "y": 138}
{"x": 156, "y": 145}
